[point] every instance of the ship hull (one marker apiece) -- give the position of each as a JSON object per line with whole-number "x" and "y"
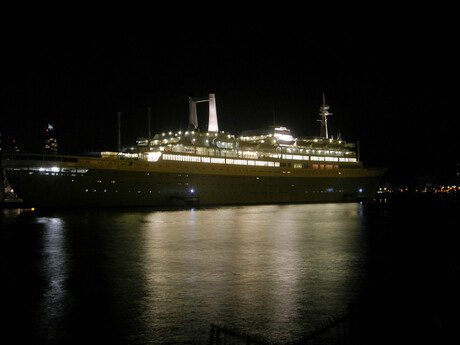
{"x": 96, "y": 183}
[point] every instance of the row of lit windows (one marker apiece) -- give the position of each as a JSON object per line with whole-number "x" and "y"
{"x": 333, "y": 159}
{"x": 282, "y": 156}
{"x": 52, "y": 170}
{"x": 215, "y": 160}
{"x": 322, "y": 166}
{"x": 315, "y": 158}
{"x": 315, "y": 166}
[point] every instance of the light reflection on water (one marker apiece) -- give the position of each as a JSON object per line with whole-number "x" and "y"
{"x": 55, "y": 271}
{"x": 275, "y": 268}
{"x": 164, "y": 276}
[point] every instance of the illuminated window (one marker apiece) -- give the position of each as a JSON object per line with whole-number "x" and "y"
{"x": 249, "y": 154}
{"x": 218, "y": 160}
{"x": 241, "y": 161}
{"x": 153, "y": 156}
{"x": 317, "y": 158}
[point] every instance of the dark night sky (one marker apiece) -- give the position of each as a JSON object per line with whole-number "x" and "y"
{"x": 386, "y": 82}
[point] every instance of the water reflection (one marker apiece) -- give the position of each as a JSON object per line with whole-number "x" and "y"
{"x": 153, "y": 277}
{"x": 55, "y": 271}
{"x": 256, "y": 268}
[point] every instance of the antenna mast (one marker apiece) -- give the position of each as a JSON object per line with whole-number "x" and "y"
{"x": 324, "y": 112}
{"x": 119, "y": 131}
{"x": 148, "y": 126}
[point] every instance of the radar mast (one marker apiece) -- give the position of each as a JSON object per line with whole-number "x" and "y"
{"x": 324, "y": 112}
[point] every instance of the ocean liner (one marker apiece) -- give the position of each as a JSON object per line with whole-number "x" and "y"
{"x": 199, "y": 167}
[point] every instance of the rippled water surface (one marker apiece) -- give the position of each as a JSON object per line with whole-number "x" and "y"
{"x": 163, "y": 276}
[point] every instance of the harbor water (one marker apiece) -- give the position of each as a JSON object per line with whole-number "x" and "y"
{"x": 163, "y": 276}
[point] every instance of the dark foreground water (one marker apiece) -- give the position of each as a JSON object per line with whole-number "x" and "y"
{"x": 163, "y": 276}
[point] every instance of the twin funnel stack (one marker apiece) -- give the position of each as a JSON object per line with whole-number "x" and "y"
{"x": 193, "y": 117}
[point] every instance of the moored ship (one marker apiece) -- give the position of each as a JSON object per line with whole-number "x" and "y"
{"x": 199, "y": 167}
